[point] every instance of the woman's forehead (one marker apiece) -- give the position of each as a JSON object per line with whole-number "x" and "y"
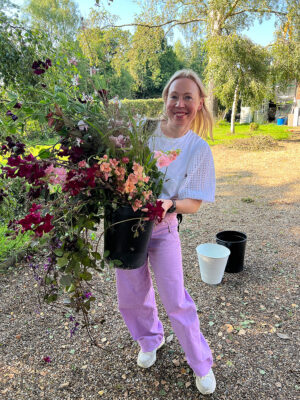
{"x": 184, "y": 85}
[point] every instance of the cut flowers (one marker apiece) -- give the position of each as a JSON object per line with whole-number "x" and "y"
{"x": 101, "y": 160}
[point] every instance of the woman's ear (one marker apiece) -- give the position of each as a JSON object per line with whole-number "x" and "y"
{"x": 201, "y": 104}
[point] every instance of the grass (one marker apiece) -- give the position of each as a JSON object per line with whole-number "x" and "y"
{"x": 222, "y": 135}
{"x": 9, "y": 246}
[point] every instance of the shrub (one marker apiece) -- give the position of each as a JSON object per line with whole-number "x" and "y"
{"x": 151, "y": 108}
{"x": 254, "y": 126}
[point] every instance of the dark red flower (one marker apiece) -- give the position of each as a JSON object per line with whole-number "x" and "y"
{"x": 155, "y": 211}
{"x": 35, "y": 207}
{"x": 18, "y": 105}
{"x": 47, "y": 359}
{"x": 39, "y": 71}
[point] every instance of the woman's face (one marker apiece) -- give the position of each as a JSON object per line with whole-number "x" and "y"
{"x": 183, "y": 102}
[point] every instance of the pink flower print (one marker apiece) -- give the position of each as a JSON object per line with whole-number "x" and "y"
{"x": 165, "y": 159}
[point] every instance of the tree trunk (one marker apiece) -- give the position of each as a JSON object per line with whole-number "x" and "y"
{"x": 234, "y": 107}
{"x": 212, "y": 101}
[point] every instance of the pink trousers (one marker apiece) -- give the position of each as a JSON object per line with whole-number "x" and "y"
{"x": 137, "y": 305}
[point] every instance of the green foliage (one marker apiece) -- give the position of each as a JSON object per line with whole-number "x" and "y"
{"x": 19, "y": 46}
{"x": 12, "y": 246}
{"x": 237, "y": 62}
{"x": 58, "y": 18}
{"x": 254, "y": 126}
{"x": 151, "y": 108}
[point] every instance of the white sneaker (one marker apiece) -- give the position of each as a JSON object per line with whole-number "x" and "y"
{"x": 206, "y": 384}
{"x": 146, "y": 360}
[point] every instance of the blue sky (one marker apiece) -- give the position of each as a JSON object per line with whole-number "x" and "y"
{"x": 126, "y": 9}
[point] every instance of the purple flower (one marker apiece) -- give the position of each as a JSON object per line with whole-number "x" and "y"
{"x": 87, "y": 295}
{"x": 18, "y": 105}
{"x": 47, "y": 359}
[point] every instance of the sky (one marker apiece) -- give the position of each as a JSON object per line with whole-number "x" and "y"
{"x": 126, "y": 9}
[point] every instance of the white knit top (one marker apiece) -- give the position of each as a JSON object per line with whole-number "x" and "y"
{"x": 192, "y": 174}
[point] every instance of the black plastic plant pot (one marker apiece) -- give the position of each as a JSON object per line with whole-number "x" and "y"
{"x": 124, "y": 239}
{"x": 236, "y": 243}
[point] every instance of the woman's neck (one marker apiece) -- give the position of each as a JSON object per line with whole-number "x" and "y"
{"x": 173, "y": 131}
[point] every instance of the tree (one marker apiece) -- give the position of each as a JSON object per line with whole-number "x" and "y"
{"x": 19, "y": 47}
{"x": 285, "y": 51}
{"x": 213, "y": 18}
{"x": 60, "y": 19}
{"x": 151, "y": 61}
{"x": 106, "y": 52}
{"x": 239, "y": 69}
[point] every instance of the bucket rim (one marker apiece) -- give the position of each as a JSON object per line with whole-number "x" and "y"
{"x": 242, "y": 234}
{"x": 214, "y": 244}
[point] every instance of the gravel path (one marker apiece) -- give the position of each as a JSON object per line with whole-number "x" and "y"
{"x": 250, "y": 319}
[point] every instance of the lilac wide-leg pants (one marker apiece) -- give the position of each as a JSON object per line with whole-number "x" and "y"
{"x": 137, "y": 299}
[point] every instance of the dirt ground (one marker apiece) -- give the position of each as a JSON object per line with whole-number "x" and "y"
{"x": 250, "y": 319}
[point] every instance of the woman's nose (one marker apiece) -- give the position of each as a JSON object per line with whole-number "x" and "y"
{"x": 180, "y": 102}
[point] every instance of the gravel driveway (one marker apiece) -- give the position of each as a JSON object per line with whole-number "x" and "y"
{"x": 250, "y": 319}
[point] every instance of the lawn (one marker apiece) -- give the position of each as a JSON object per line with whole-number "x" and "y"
{"x": 222, "y": 135}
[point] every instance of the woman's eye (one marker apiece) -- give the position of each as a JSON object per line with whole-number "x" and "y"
{"x": 188, "y": 98}
{"x": 174, "y": 97}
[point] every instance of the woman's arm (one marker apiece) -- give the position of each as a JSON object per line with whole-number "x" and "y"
{"x": 184, "y": 206}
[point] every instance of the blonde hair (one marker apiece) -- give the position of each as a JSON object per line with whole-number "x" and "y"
{"x": 203, "y": 122}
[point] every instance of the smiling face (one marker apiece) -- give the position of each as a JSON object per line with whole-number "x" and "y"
{"x": 182, "y": 104}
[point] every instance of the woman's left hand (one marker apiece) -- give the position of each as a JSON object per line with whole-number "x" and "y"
{"x": 166, "y": 204}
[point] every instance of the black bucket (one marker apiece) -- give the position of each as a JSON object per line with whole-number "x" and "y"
{"x": 236, "y": 243}
{"x": 120, "y": 238}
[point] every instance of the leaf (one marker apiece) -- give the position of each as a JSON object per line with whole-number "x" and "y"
{"x": 283, "y": 336}
{"x": 87, "y": 276}
{"x": 211, "y": 323}
{"x": 262, "y": 371}
{"x": 170, "y": 338}
{"x": 72, "y": 351}
{"x": 44, "y": 153}
{"x": 66, "y": 280}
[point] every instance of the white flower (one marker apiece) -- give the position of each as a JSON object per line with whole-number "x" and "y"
{"x": 75, "y": 80}
{"x": 83, "y": 126}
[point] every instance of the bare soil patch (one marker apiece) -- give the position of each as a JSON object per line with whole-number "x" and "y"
{"x": 250, "y": 320}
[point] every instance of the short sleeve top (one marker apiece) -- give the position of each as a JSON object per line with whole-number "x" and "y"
{"x": 192, "y": 174}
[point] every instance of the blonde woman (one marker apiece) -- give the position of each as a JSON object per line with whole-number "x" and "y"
{"x": 189, "y": 181}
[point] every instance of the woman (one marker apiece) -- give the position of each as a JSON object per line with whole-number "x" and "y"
{"x": 190, "y": 179}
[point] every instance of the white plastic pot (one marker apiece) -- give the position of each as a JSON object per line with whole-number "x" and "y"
{"x": 212, "y": 261}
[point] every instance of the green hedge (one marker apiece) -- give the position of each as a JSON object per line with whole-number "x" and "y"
{"x": 150, "y": 108}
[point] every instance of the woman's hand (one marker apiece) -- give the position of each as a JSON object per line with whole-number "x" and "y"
{"x": 166, "y": 204}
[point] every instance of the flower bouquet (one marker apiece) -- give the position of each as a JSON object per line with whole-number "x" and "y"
{"x": 99, "y": 168}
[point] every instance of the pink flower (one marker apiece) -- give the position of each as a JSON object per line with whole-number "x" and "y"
{"x": 82, "y": 164}
{"x": 136, "y": 205}
{"x": 72, "y": 61}
{"x": 113, "y": 162}
{"x": 125, "y": 160}
{"x": 56, "y": 175}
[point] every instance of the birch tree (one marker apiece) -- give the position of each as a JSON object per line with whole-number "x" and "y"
{"x": 239, "y": 69}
